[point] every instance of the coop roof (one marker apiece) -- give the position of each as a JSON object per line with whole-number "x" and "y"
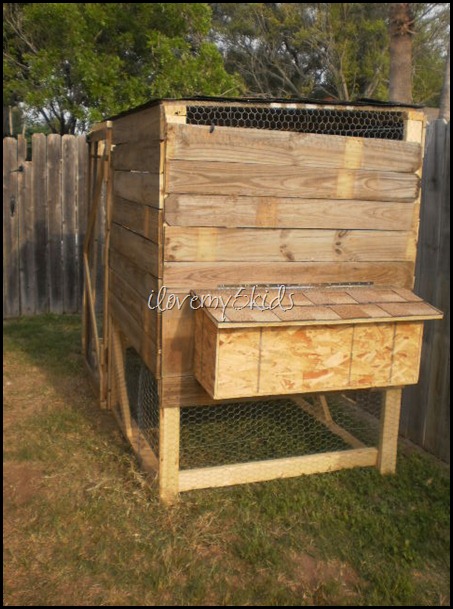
{"x": 295, "y": 305}
{"x": 362, "y": 102}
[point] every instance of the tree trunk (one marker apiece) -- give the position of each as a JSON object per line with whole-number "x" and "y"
{"x": 444, "y": 111}
{"x": 400, "y": 31}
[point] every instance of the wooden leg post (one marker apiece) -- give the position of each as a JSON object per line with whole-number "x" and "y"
{"x": 169, "y": 455}
{"x": 388, "y": 439}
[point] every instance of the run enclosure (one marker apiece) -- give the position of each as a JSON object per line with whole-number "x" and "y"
{"x": 203, "y": 197}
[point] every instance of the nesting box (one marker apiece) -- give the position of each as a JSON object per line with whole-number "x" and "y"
{"x": 259, "y": 257}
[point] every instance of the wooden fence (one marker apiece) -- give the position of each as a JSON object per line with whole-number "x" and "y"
{"x": 44, "y": 219}
{"x": 426, "y": 407}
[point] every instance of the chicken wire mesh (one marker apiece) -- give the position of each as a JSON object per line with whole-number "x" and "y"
{"x": 353, "y": 123}
{"x": 278, "y": 428}
{"x": 143, "y": 397}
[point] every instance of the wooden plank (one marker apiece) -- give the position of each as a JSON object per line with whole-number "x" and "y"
{"x": 11, "y": 279}
{"x": 142, "y": 219}
{"x": 197, "y": 344}
{"x": 138, "y": 187}
{"x": 137, "y": 249}
{"x": 82, "y": 207}
{"x": 259, "y": 471}
{"x": 388, "y": 440}
{"x": 137, "y": 156}
{"x": 69, "y": 155}
{"x": 136, "y": 305}
{"x": 138, "y": 126}
{"x": 281, "y": 212}
{"x": 54, "y": 202}
{"x": 140, "y": 280}
{"x": 372, "y": 352}
{"x": 212, "y": 178}
{"x": 209, "y": 357}
{"x": 169, "y": 454}
{"x": 178, "y": 335}
{"x": 141, "y": 342}
{"x": 187, "y": 275}
{"x": 27, "y": 271}
{"x": 285, "y": 148}
{"x": 39, "y": 159}
{"x": 275, "y": 245}
{"x": 121, "y": 388}
{"x": 296, "y": 360}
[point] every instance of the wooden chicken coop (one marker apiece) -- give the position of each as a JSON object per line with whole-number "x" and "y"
{"x": 248, "y": 273}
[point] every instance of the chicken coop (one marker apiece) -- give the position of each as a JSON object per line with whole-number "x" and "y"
{"x": 248, "y": 304}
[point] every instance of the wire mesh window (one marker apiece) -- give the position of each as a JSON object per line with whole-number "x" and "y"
{"x": 271, "y": 429}
{"x": 143, "y": 397}
{"x": 354, "y": 123}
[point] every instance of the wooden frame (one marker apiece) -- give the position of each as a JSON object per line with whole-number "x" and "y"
{"x": 191, "y": 207}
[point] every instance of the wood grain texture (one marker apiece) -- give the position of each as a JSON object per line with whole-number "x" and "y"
{"x": 407, "y": 349}
{"x": 39, "y": 154}
{"x": 11, "y": 277}
{"x": 140, "y": 251}
{"x": 283, "y": 148}
{"x": 258, "y": 471}
{"x": 187, "y": 275}
{"x": 372, "y": 354}
{"x": 71, "y": 275}
{"x": 262, "y": 180}
{"x": 282, "y": 212}
{"x": 137, "y": 156}
{"x": 138, "y": 187}
{"x": 143, "y": 282}
{"x": 141, "y": 219}
{"x": 388, "y": 439}
{"x": 138, "y": 126}
{"x": 26, "y": 225}
{"x": 273, "y": 245}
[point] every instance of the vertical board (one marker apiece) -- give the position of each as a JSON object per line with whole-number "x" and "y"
{"x": 27, "y": 272}
{"x": 82, "y": 209}
{"x": 11, "y": 291}
{"x": 39, "y": 152}
{"x": 55, "y": 223}
{"x": 69, "y": 214}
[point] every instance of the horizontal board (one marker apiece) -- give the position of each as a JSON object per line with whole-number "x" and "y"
{"x": 259, "y": 471}
{"x": 136, "y": 304}
{"x": 141, "y": 219}
{"x": 138, "y": 187}
{"x": 140, "y": 251}
{"x": 138, "y": 126}
{"x": 189, "y": 275}
{"x": 212, "y": 178}
{"x": 139, "y": 279}
{"x": 132, "y": 330}
{"x": 274, "y": 212}
{"x": 137, "y": 156}
{"x": 286, "y": 148}
{"x": 293, "y": 245}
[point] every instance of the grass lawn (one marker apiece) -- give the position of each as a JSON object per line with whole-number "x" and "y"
{"x": 82, "y": 526}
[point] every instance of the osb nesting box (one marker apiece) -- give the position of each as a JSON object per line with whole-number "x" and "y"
{"x": 216, "y": 194}
{"x": 315, "y": 340}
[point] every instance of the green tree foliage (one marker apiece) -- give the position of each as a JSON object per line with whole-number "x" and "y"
{"x": 73, "y": 64}
{"x": 337, "y": 50}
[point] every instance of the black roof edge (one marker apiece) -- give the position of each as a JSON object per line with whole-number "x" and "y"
{"x": 363, "y": 101}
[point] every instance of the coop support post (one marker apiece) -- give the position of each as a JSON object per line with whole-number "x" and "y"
{"x": 388, "y": 438}
{"x": 169, "y": 454}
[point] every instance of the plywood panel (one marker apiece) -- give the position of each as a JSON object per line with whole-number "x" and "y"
{"x": 304, "y": 359}
{"x": 262, "y": 180}
{"x": 210, "y": 275}
{"x": 372, "y": 350}
{"x": 266, "y": 245}
{"x": 406, "y": 353}
{"x": 238, "y": 362}
{"x": 229, "y": 144}
{"x": 281, "y": 212}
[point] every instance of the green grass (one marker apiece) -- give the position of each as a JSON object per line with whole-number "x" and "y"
{"x": 84, "y": 527}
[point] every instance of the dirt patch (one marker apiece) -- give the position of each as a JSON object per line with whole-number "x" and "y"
{"x": 21, "y": 482}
